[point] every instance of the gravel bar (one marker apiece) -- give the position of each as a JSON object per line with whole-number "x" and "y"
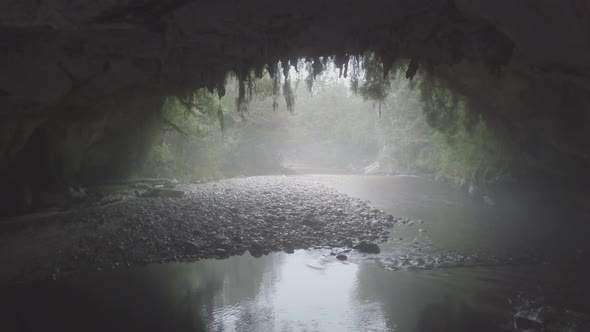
{"x": 213, "y": 220}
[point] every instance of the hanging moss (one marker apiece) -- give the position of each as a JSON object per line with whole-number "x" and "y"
{"x": 412, "y": 69}
{"x": 309, "y": 78}
{"x": 241, "y": 102}
{"x": 374, "y": 86}
{"x": 317, "y": 67}
{"x": 276, "y": 82}
{"x": 289, "y": 94}
{"x": 354, "y": 74}
{"x": 341, "y": 62}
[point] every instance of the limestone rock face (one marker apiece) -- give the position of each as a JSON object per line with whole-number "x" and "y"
{"x": 75, "y": 73}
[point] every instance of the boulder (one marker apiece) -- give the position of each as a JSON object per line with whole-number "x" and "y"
{"x": 367, "y": 247}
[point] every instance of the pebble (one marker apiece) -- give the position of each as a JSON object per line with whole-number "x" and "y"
{"x": 217, "y": 220}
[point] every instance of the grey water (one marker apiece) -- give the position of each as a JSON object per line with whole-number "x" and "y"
{"x": 461, "y": 265}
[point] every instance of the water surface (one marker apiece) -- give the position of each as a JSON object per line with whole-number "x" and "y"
{"x": 473, "y": 267}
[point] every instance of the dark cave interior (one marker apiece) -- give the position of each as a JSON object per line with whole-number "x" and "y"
{"x": 82, "y": 80}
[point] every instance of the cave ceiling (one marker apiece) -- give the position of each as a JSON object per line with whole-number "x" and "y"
{"x": 56, "y": 52}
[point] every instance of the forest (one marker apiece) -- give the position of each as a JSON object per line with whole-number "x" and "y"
{"x": 366, "y": 122}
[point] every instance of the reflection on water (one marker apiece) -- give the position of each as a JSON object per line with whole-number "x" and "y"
{"x": 434, "y": 281}
{"x": 514, "y": 227}
{"x": 305, "y": 291}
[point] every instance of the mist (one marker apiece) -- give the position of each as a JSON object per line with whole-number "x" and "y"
{"x": 330, "y": 129}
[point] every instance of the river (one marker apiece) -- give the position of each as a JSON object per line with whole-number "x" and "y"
{"x": 464, "y": 265}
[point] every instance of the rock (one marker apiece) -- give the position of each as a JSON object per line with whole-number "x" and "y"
{"x": 255, "y": 253}
{"x": 367, "y": 247}
{"x": 191, "y": 246}
{"x": 522, "y": 323}
{"x": 421, "y": 230}
{"x": 143, "y": 186}
{"x": 222, "y": 253}
{"x": 289, "y": 250}
{"x": 255, "y": 249}
{"x": 170, "y": 183}
{"x": 341, "y": 257}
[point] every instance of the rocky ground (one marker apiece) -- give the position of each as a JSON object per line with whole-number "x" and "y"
{"x": 212, "y": 220}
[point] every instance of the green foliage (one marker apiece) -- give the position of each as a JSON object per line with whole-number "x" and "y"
{"x": 430, "y": 130}
{"x": 421, "y": 125}
{"x": 332, "y": 128}
{"x": 375, "y": 84}
{"x": 189, "y": 144}
{"x": 160, "y": 161}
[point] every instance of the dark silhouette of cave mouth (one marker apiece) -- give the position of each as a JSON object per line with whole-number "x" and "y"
{"x": 82, "y": 86}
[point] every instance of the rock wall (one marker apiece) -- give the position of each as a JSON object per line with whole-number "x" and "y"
{"x": 75, "y": 147}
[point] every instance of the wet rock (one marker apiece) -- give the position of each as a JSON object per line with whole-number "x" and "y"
{"x": 222, "y": 253}
{"x": 191, "y": 246}
{"x": 341, "y": 257}
{"x": 523, "y": 323}
{"x": 367, "y": 247}
{"x": 255, "y": 249}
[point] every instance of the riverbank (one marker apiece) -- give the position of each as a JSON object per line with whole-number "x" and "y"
{"x": 211, "y": 220}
